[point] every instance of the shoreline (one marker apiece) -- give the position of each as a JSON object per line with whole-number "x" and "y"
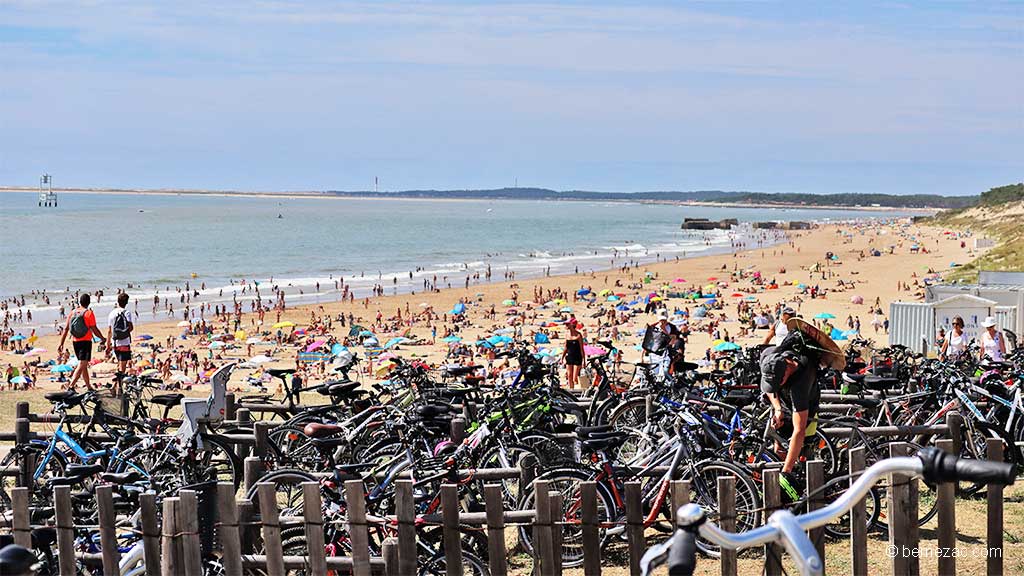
{"x": 321, "y": 195}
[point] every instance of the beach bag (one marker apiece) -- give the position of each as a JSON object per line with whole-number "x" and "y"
{"x": 655, "y": 340}
{"x": 122, "y": 327}
{"x": 78, "y": 326}
{"x": 585, "y": 378}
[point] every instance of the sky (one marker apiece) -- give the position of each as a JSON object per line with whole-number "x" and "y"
{"x": 829, "y": 97}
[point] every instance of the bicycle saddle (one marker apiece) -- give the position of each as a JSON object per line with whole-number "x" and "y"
{"x": 83, "y": 469}
{"x": 340, "y": 388}
{"x": 280, "y": 372}
{"x": 167, "y": 399}
{"x": 121, "y": 477}
{"x": 16, "y": 559}
{"x": 433, "y": 410}
{"x": 603, "y": 443}
{"x": 318, "y": 430}
{"x": 457, "y": 370}
{"x": 66, "y": 396}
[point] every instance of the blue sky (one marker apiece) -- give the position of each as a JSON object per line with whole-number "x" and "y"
{"x": 898, "y": 97}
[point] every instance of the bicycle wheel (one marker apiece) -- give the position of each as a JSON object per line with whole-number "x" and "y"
{"x": 840, "y": 527}
{"x": 567, "y": 482}
{"x": 703, "y": 477}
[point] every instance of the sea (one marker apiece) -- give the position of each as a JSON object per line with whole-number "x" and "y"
{"x": 159, "y": 243}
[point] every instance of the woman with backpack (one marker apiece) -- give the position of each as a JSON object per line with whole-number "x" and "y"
{"x": 82, "y": 326}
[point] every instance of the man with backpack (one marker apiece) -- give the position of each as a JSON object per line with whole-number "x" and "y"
{"x": 119, "y": 333}
{"x": 81, "y": 325}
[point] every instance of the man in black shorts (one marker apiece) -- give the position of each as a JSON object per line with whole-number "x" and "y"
{"x": 791, "y": 372}
{"x": 119, "y": 334}
{"x": 81, "y": 325}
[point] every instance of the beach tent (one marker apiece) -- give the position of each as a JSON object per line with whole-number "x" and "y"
{"x": 541, "y": 338}
{"x": 459, "y": 309}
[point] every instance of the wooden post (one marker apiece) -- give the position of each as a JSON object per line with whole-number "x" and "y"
{"x": 22, "y": 435}
{"x": 543, "y": 552}
{"x": 527, "y": 471}
{"x": 680, "y": 497}
{"x": 271, "y": 520}
{"x": 450, "y": 523}
{"x": 151, "y": 533}
{"x": 634, "y": 526}
{"x": 994, "y": 494}
{"x": 772, "y": 502}
{"x": 192, "y": 553}
{"x": 406, "y": 512}
{"x": 230, "y": 406}
{"x": 946, "y": 504}
{"x": 21, "y": 410}
{"x": 648, "y": 407}
{"x": 903, "y": 534}
{"x": 557, "y": 515}
{"x": 727, "y": 520}
{"x": 314, "y": 523}
{"x": 495, "y": 505}
{"x": 955, "y": 422}
{"x": 589, "y": 525}
{"x": 21, "y": 520}
{"x": 261, "y": 431}
{"x": 108, "y": 535}
{"x": 169, "y": 554}
{"x": 458, "y": 429}
{"x": 389, "y": 551}
{"x": 65, "y": 530}
{"x": 355, "y": 501}
{"x": 815, "y": 480}
{"x": 244, "y": 420}
{"x": 252, "y": 471}
{"x": 230, "y": 541}
{"x": 858, "y": 520}
{"x": 246, "y": 531}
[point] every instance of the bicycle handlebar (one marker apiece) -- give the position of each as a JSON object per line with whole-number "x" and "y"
{"x": 783, "y": 527}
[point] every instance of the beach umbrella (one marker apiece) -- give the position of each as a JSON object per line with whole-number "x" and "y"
{"x": 253, "y": 340}
{"x": 59, "y": 368}
{"x": 184, "y": 324}
{"x": 143, "y": 337}
{"x": 737, "y": 295}
{"x": 622, "y": 307}
{"x": 713, "y": 279}
{"x": 370, "y": 342}
{"x": 396, "y": 341}
{"x": 216, "y": 344}
{"x": 540, "y": 338}
{"x": 726, "y": 346}
{"x": 315, "y": 345}
{"x": 240, "y": 335}
{"x": 150, "y": 372}
{"x": 364, "y": 333}
{"x": 591, "y": 350}
{"x": 604, "y": 292}
{"x": 801, "y": 285}
{"x": 452, "y": 339}
{"x": 458, "y": 309}
{"x": 565, "y": 309}
{"x": 583, "y": 291}
{"x": 284, "y": 324}
{"x": 338, "y": 348}
{"x": 614, "y": 298}
{"x": 300, "y": 332}
{"x": 19, "y": 380}
{"x": 751, "y": 298}
{"x": 35, "y": 352}
{"x": 508, "y": 302}
{"x": 857, "y": 300}
{"x": 181, "y": 379}
{"x": 17, "y": 338}
{"x": 824, "y": 316}
{"x": 679, "y": 280}
{"x": 711, "y": 301}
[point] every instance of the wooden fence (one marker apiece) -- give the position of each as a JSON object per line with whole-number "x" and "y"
{"x": 249, "y": 533}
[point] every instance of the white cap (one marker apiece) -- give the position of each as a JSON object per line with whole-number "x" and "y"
{"x": 988, "y": 322}
{"x": 662, "y": 316}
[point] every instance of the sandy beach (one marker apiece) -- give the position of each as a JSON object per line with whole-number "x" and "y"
{"x": 894, "y": 275}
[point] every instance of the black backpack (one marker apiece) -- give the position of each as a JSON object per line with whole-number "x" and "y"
{"x": 78, "y": 326}
{"x": 122, "y": 327}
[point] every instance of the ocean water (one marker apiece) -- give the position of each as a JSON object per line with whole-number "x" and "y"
{"x": 157, "y": 242}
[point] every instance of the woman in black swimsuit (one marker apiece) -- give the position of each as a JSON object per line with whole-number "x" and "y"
{"x": 573, "y": 353}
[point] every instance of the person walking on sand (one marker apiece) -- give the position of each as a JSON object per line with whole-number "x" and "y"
{"x": 573, "y": 355}
{"x": 119, "y": 334}
{"x": 81, "y": 324}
